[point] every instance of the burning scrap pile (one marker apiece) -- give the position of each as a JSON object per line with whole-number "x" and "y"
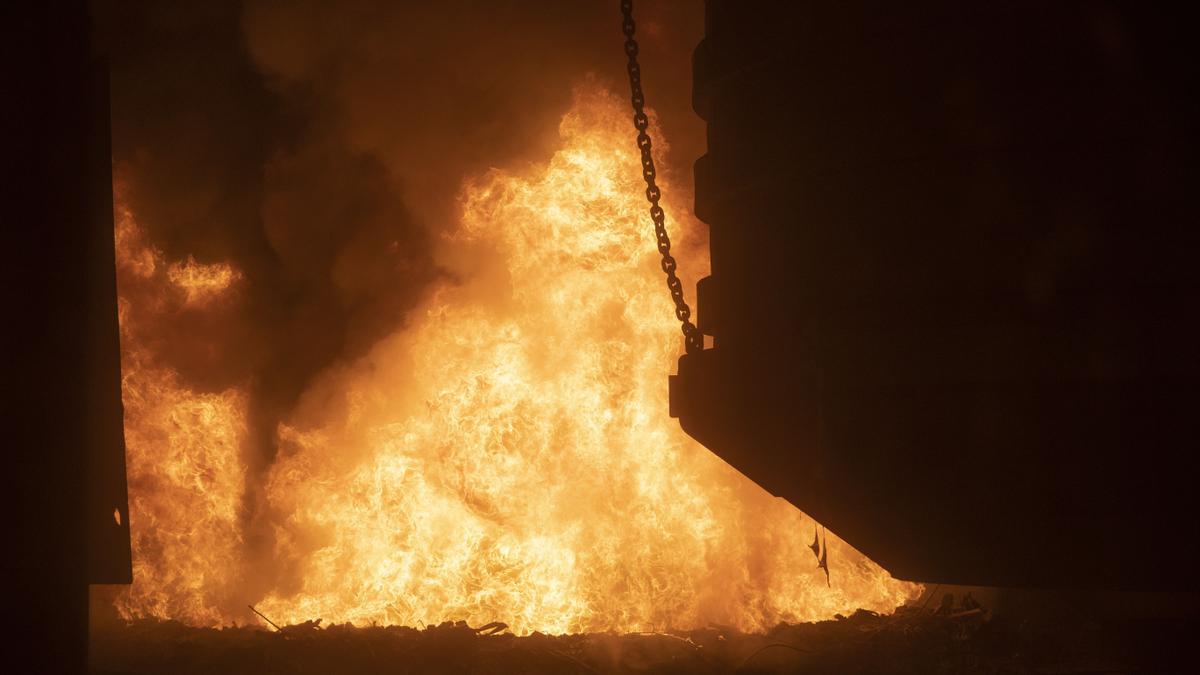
{"x": 507, "y": 455}
{"x": 956, "y": 636}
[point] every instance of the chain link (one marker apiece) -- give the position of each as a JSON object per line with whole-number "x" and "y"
{"x": 692, "y": 337}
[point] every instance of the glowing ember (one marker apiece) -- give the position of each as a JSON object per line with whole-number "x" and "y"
{"x": 508, "y": 456}
{"x": 201, "y": 283}
{"x": 183, "y": 457}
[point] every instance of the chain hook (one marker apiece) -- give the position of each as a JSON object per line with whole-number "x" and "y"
{"x": 693, "y": 339}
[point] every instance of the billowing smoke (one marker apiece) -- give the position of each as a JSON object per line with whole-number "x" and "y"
{"x": 319, "y": 148}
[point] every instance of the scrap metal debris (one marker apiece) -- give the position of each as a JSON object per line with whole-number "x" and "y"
{"x": 956, "y": 636}
{"x": 820, "y": 549}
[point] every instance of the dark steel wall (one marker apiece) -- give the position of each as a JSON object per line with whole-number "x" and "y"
{"x": 954, "y": 288}
{"x": 62, "y": 431}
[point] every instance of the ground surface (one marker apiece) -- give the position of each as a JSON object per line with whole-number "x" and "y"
{"x": 956, "y": 637}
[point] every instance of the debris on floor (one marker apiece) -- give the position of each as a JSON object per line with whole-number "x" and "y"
{"x": 956, "y": 635}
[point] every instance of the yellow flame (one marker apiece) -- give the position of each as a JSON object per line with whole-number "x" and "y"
{"x": 530, "y": 473}
{"x": 199, "y": 282}
{"x": 183, "y": 454}
{"x": 507, "y": 456}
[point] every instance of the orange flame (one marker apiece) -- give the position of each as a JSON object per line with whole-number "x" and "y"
{"x": 508, "y": 456}
{"x": 183, "y": 453}
{"x": 201, "y": 283}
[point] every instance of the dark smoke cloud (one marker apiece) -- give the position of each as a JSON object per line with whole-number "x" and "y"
{"x": 444, "y": 89}
{"x": 319, "y": 148}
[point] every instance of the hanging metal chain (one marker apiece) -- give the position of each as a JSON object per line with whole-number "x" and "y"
{"x": 692, "y": 337}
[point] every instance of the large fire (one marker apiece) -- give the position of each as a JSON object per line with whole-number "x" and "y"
{"x": 507, "y": 456}
{"x": 182, "y": 447}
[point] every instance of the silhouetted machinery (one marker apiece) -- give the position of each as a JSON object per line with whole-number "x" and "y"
{"x": 64, "y": 425}
{"x": 954, "y": 281}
